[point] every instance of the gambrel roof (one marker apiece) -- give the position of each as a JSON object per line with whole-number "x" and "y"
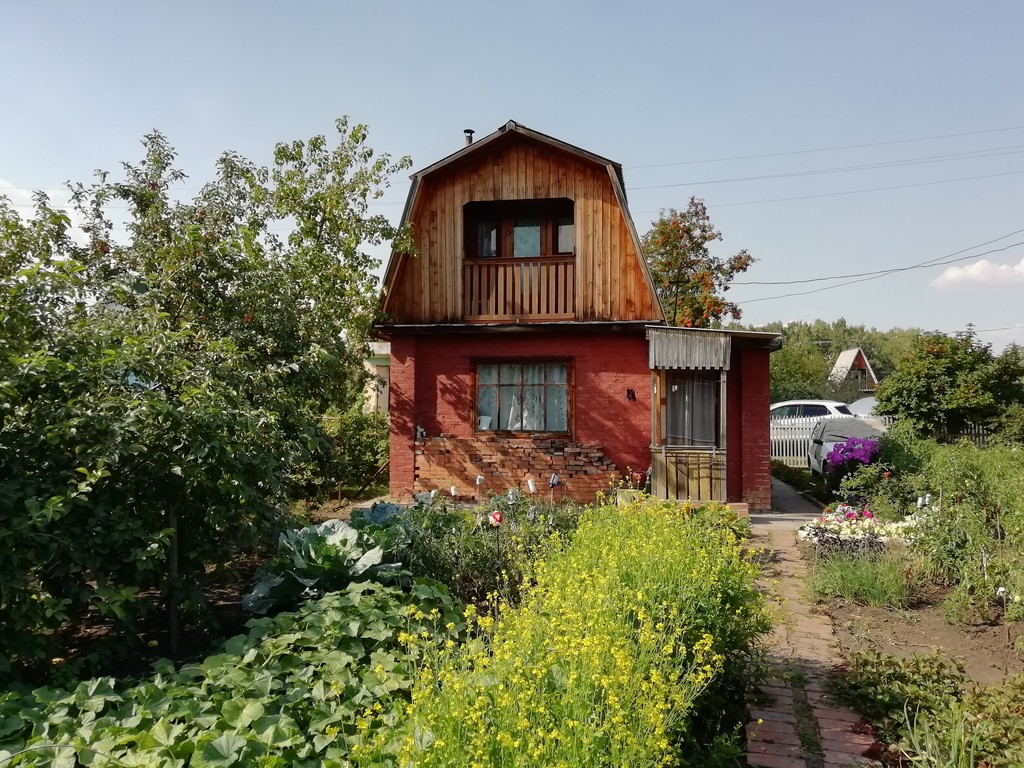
{"x": 502, "y": 140}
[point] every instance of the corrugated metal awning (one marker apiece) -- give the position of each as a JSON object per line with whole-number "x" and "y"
{"x": 689, "y": 348}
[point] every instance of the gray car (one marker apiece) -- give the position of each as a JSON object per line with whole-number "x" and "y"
{"x": 828, "y": 433}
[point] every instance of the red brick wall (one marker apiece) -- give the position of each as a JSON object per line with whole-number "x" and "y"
{"x": 753, "y": 372}
{"x": 402, "y": 413}
{"x": 442, "y": 462}
{"x": 432, "y": 387}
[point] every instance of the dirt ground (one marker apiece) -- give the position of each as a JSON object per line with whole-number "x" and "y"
{"x": 986, "y": 650}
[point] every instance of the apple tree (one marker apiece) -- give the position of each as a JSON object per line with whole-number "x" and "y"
{"x": 163, "y": 371}
{"x": 949, "y": 382}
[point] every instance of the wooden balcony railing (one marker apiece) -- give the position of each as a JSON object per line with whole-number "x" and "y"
{"x": 519, "y": 289}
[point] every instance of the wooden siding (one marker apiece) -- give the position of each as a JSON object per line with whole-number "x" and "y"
{"x": 608, "y": 279}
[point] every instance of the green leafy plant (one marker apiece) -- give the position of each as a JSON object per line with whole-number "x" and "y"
{"x": 929, "y": 713}
{"x": 884, "y": 688}
{"x": 475, "y": 553}
{"x": 948, "y": 382}
{"x": 301, "y": 689}
{"x": 315, "y": 560}
{"x": 625, "y": 650}
{"x": 166, "y": 376}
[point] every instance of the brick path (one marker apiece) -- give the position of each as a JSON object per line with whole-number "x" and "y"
{"x": 793, "y": 723}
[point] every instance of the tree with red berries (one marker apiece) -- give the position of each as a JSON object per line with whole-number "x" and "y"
{"x": 689, "y": 279}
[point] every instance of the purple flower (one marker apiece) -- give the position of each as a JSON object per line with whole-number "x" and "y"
{"x": 854, "y": 449}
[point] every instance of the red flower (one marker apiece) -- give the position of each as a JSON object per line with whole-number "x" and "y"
{"x": 496, "y": 518}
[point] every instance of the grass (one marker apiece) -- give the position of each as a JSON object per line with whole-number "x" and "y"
{"x": 896, "y": 578}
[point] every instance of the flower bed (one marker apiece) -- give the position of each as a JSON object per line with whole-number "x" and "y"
{"x": 852, "y": 521}
{"x": 626, "y": 649}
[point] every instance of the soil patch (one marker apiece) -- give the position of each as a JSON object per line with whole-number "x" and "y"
{"x": 986, "y": 650}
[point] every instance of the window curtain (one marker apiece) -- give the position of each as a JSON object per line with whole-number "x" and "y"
{"x": 692, "y": 418}
{"x": 528, "y": 397}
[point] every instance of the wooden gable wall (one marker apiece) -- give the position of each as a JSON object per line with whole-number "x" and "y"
{"x": 609, "y": 281}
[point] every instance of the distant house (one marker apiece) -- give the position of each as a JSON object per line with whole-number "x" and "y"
{"x": 528, "y": 344}
{"x": 378, "y": 364}
{"x": 853, "y": 364}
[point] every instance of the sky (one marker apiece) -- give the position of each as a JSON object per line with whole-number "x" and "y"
{"x": 828, "y": 139}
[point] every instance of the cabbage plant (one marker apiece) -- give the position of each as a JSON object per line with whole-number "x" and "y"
{"x": 315, "y": 560}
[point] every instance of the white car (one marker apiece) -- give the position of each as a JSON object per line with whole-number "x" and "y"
{"x": 806, "y": 409}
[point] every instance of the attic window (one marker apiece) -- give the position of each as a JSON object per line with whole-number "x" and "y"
{"x": 519, "y": 229}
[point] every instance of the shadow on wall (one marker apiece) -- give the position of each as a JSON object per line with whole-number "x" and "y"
{"x": 455, "y": 406}
{"x": 611, "y": 417}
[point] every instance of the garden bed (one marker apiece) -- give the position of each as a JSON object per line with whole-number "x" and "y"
{"x": 987, "y": 655}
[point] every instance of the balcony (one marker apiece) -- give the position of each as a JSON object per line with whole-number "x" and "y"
{"x": 503, "y": 290}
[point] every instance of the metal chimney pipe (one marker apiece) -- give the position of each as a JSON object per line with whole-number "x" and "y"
{"x": 469, "y": 136}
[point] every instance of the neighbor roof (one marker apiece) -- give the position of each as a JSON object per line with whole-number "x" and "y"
{"x": 844, "y": 363}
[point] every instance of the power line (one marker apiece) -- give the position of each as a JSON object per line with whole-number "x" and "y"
{"x": 924, "y": 265}
{"x": 830, "y": 149}
{"x": 1014, "y": 149}
{"x": 863, "y": 191}
{"x": 1004, "y": 328}
{"x": 929, "y": 262}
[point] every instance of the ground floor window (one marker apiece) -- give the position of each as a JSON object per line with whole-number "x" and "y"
{"x": 522, "y": 397}
{"x": 692, "y": 415}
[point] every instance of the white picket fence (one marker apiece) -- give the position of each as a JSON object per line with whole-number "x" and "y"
{"x": 791, "y": 438}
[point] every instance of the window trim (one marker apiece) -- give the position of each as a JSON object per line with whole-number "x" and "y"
{"x": 570, "y": 386}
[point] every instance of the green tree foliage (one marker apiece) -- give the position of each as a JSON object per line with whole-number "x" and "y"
{"x": 689, "y": 280}
{"x": 802, "y": 368}
{"x": 948, "y": 382}
{"x": 162, "y": 378}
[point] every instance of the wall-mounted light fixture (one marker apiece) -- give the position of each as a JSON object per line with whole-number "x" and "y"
{"x": 454, "y": 491}
{"x": 531, "y": 485}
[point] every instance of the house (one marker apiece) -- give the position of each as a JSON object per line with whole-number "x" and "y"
{"x": 528, "y": 343}
{"x": 853, "y": 364}
{"x": 375, "y": 393}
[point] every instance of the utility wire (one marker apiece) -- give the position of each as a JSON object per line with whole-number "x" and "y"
{"x": 864, "y": 191}
{"x": 972, "y": 155}
{"x": 883, "y": 274}
{"x": 929, "y": 262}
{"x": 830, "y": 149}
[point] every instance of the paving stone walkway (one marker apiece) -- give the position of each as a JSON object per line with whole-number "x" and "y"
{"x": 793, "y": 723}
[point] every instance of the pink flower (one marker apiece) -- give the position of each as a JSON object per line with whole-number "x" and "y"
{"x": 868, "y": 513}
{"x": 496, "y": 518}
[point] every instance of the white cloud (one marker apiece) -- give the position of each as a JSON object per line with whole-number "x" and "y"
{"x": 980, "y": 273}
